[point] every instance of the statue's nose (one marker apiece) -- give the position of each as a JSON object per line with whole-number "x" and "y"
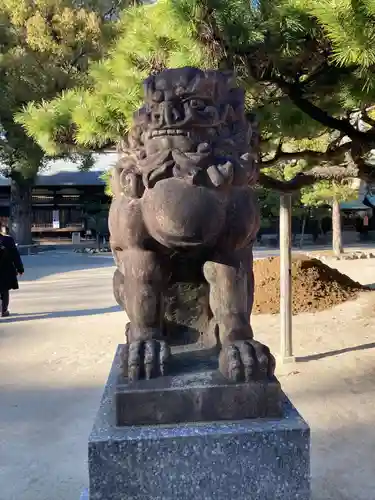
{"x": 174, "y": 116}
{"x": 166, "y": 116}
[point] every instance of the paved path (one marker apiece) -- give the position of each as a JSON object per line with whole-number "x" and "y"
{"x": 55, "y": 354}
{"x": 57, "y": 348}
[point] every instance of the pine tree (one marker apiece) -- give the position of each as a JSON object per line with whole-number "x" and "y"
{"x": 95, "y": 215}
{"x": 330, "y": 193}
{"x": 45, "y": 47}
{"x": 306, "y": 65}
{"x": 152, "y": 39}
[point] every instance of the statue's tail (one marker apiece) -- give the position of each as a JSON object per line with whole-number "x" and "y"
{"x": 118, "y": 285}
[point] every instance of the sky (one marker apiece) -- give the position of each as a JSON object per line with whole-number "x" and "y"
{"x": 103, "y": 162}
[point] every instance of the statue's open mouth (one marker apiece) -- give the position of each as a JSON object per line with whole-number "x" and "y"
{"x": 168, "y": 132}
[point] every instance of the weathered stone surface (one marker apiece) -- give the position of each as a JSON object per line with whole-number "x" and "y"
{"x": 186, "y": 312}
{"x": 184, "y": 202}
{"x": 194, "y": 391}
{"x": 261, "y": 459}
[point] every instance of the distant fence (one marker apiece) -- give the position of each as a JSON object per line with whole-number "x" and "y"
{"x": 35, "y": 228}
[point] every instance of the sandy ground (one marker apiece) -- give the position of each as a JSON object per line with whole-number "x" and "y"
{"x": 57, "y": 348}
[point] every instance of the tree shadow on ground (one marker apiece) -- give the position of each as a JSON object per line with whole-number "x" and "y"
{"x": 328, "y": 354}
{"x": 16, "y": 318}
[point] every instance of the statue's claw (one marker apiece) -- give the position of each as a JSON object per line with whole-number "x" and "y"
{"x": 246, "y": 360}
{"x": 145, "y": 359}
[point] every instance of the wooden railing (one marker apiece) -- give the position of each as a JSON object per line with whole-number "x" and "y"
{"x": 73, "y": 226}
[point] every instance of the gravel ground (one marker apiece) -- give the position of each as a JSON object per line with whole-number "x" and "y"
{"x": 57, "y": 348}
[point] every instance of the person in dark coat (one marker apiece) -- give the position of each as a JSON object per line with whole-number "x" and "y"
{"x": 10, "y": 266}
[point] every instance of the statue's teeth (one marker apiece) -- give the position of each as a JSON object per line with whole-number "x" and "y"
{"x": 169, "y": 131}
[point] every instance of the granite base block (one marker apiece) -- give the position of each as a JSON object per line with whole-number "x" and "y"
{"x": 258, "y": 459}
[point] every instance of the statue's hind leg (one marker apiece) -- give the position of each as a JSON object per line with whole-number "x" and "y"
{"x": 231, "y": 296}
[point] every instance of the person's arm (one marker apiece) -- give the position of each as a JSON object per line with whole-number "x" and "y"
{"x": 16, "y": 258}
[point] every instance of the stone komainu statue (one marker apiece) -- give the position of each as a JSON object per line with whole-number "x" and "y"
{"x": 183, "y": 199}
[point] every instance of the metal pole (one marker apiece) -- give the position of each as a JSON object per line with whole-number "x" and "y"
{"x": 286, "y": 345}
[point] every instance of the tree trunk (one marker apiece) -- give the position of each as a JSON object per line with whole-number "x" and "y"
{"x": 336, "y": 229}
{"x": 302, "y": 237}
{"x": 20, "y": 212}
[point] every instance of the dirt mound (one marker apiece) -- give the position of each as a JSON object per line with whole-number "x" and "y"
{"x": 316, "y": 286}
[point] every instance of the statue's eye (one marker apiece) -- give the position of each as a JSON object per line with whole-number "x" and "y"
{"x": 212, "y": 111}
{"x": 197, "y": 103}
{"x": 158, "y": 96}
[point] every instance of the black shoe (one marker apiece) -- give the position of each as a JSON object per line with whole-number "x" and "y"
{"x": 5, "y": 314}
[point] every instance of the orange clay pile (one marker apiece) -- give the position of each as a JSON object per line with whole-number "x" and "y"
{"x": 316, "y": 286}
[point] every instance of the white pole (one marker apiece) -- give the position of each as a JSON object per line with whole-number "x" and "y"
{"x": 286, "y": 345}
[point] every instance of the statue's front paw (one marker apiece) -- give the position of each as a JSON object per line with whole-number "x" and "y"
{"x": 246, "y": 360}
{"x": 145, "y": 359}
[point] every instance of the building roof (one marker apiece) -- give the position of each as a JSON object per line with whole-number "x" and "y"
{"x": 65, "y": 179}
{"x": 371, "y": 200}
{"x": 91, "y": 178}
{"x": 353, "y": 205}
{"x": 64, "y": 173}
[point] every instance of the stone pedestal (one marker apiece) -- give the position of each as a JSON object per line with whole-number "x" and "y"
{"x": 193, "y": 391}
{"x": 253, "y": 459}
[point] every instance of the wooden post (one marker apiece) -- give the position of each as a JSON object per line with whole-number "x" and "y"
{"x": 286, "y": 345}
{"x": 336, "y": 229}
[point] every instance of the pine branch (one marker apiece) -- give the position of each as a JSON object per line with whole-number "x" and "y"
{"x": 308, "y": 178}
{"x": 295, "y": 94}
{"x": 333, "y": 172}
{"x": 320, "y": 70}
{"x": 116, "y": 6}
{"x": 295, "y": 184}
{"x": 77, "y": 57}
{"x": 331, "y": 155}
{"x": 366, "y": 171}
